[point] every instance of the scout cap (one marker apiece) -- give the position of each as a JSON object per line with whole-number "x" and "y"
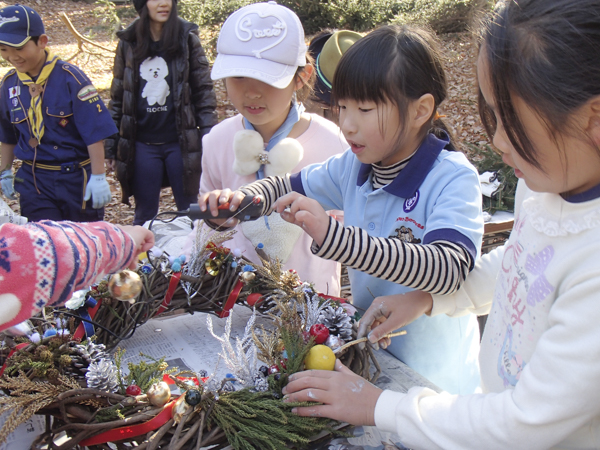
{"x": 18, "y": 24}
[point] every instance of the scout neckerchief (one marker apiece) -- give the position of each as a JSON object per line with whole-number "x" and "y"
{"x": 35, "y": 112}
{"x": 292, "y": 118}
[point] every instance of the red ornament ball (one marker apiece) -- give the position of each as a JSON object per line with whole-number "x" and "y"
{"x": 133, "y": 390}
{"x": 254, "y": 298}
{"x": 320, "y": 332}
{"x": 273, "y": 369}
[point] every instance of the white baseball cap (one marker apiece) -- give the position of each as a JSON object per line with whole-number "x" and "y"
{"x": 264, "y": 41}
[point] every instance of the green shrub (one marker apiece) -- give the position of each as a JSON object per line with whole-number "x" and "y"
{"x": 358, "y": 15}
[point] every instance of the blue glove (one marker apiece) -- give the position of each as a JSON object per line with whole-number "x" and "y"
{"x": 97, "y": 189}
{"x": 7, "y": 180}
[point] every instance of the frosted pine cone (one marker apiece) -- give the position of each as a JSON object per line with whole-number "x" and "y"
{"x": 102, "y": 375}
{"x": 337, "y": 321}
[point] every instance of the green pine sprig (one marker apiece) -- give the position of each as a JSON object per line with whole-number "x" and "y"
{"x": 258, "y": 420}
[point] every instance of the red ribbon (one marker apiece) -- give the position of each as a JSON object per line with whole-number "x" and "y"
{"x": 118, "y": 434}
{"x": 173, "y": 283}
{"x": 331, "y": 297}
{"x": 80, "y": 331}
{"x": 169, "y": 379}
{"x": 233, "y": 296}
{"x": 12, "y": 352}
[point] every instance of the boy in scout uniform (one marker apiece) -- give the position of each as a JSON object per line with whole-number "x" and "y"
{"x": 52, "y": 119}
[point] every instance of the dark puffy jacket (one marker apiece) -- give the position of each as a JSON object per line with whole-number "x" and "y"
{"x": 195, "y": 106}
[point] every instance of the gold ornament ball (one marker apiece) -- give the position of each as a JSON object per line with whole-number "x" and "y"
{"x": 248, "y": 276}
{"x": 159, "y": 394}
{"x": 125, "y": 285}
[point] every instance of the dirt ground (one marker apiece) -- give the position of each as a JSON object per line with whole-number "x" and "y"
{"x": 459, "y": 109}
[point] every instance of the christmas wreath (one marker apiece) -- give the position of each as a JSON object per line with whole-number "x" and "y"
{"x": 63, "y": 369}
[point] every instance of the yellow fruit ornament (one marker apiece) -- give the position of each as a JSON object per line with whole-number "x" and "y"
{"x": 320, "y": 357}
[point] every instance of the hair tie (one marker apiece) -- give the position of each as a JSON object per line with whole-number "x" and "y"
{"x": 438, "y": 116}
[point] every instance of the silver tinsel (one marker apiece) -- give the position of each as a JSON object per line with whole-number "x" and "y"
{"x": 102, "y": 375}
{"x": 338, "y": 322}
{"x": 199, "y": 253}
{"x": 260, "y": 384}
{"x": 228, "y": 387}
{"x": 313, "y": 310}
{"x": 241, "y": 360}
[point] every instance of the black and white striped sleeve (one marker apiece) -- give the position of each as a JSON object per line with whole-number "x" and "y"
{"x": 438, "y": 268}
{"x": 270, "y": 188}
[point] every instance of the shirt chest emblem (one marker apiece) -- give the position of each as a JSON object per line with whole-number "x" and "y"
{"x": 411, "y": 203}
{"x": 405, "y": 234}
{"x": 14, "y": 91}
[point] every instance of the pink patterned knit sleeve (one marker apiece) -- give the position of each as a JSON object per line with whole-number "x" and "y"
{"x": 42, "y": 263}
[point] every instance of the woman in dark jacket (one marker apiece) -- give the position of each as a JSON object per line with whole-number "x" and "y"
{"x": 162, "y": 101}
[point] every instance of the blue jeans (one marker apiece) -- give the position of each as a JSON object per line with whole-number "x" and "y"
{"x": 151, "y": 163}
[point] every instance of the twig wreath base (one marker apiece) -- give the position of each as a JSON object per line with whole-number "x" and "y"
{"x": 245, "y": 418}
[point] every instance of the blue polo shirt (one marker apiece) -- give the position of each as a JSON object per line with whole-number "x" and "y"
{"x": 74, "y": 116}
{"x": 435, "y": 197}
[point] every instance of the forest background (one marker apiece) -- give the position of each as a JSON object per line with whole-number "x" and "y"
{"x": 453, "y": 20}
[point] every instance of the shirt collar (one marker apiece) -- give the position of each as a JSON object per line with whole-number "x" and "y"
{"x": 585, "y": 196}
{"x": 410, "y": 178}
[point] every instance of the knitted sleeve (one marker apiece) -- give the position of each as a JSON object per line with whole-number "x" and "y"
{"x": 42, "y": 263}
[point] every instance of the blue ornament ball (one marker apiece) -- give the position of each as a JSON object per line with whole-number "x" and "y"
{"x": 193, "y": 397}
{"x": 50, "y": 332}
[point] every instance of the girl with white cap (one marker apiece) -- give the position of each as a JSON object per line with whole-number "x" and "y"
{"x": 262, "y": 58}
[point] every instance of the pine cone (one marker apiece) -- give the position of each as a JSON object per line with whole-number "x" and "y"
{"x": 102, "y": 375}
{"x": 92, "y": 352}
{"x": 337, "y": 321}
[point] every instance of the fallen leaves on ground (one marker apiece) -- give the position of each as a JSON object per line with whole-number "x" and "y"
{"x": 459, "y": 49}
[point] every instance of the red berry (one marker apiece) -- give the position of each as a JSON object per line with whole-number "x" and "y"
{"x": 320, "y": 333}
{"x": 282, "y": 364}
{"x": 133, "y": 390}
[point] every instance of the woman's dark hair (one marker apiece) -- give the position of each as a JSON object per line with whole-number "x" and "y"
{"x": 169, "y": 40}
{"x": 397, "y": 64}
{"x": 546, "y": 52}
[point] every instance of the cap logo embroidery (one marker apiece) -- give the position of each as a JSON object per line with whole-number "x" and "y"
{"x": 243, "y": 26}
{"x": 4, "y": 20}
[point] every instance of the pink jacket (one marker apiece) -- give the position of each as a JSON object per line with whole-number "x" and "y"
{"x": 42, "y": 263}
{"x": 320, "y": 141}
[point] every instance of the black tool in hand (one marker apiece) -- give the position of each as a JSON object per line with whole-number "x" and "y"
{"x": 250, "y": 208}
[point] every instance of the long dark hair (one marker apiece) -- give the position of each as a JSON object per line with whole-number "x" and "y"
{"x": 547, "y": 52}
{"x": 396, "y": 63}
{"x": 169, "y": 40}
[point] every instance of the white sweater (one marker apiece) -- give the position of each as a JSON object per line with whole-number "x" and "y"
{"x": 540, "y": 352}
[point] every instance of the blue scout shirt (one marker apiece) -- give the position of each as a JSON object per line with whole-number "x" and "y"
{"x": 435, "y": 197}
{"x": 74, "y": 116}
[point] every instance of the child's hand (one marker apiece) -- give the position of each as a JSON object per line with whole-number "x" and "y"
{"x": 217, "y": 197}
{"x": 306, "y": 213}
{"x": 345, "y": 396}
{"x": 142, "y": 238}
{"x": 391, "y": 312}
